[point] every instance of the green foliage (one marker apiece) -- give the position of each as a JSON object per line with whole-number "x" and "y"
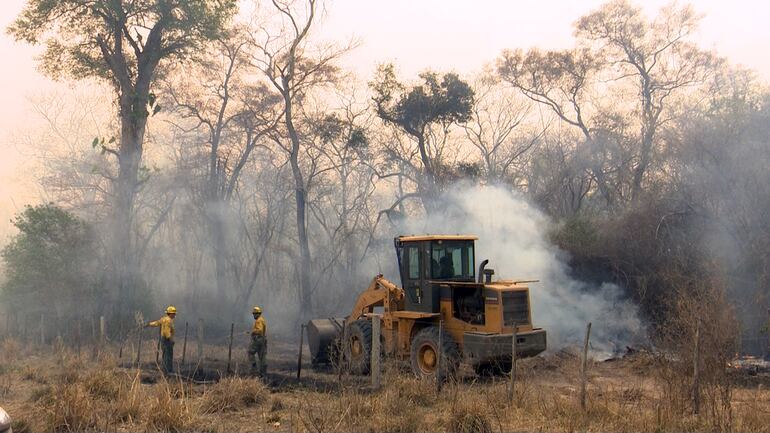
{"x": 438, "y": 99}
{"x": 332, "y": 128}
{"x": 51, "y": 260}
{"x": 94, "y": 38}
{"x": 577, "y": 233}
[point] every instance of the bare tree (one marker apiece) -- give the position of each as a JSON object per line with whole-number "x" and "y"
{"x": 497, "y": 129}
{"x": 561, "y": 81}
{"x": 73, "y": 171}
{"x": 342, "y": 186}
{"x": 656, "y": 55}
{"x": 295, "y": 68}
{"x": 233, "y": 116}
{"x": 555, "y": 176}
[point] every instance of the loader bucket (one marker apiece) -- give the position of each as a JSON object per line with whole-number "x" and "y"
{"x": 321, "y": 337}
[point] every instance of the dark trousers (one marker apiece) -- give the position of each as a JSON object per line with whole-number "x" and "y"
{"x": 258, "y": 347}
{"x": 167, "y": 345}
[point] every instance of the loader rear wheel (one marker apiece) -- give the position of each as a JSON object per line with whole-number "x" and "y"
{"x": 430, "y": 357}
{"x": 358, "y": 347}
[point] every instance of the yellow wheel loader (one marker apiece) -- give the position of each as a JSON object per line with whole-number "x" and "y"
{"x": 444, "y": 313}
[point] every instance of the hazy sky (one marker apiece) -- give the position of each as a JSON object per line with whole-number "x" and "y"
{"x": 460, "y": 35}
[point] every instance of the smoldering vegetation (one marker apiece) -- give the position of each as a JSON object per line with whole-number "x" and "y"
{"x": 628, "y": 174}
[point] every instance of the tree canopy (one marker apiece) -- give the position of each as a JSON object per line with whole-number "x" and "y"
{"x": 117, "y": 39}
{"x": 437, "y": 99}
{"x": 53, "y": 259}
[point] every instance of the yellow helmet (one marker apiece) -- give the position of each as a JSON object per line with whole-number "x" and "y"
{"x": 171, "y": 309}
{"x": 256, "y": 310}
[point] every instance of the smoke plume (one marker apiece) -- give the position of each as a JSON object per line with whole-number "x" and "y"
{"x": 513, "y": 236}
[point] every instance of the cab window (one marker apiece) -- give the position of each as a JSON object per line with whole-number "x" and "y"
{"x": 413, "y": 254}
{"x": 452, "y": 260}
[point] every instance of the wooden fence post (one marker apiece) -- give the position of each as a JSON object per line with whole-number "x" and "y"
{"x": 230, "y": 348}
{"x": 342, "y": 349}
{"x": 139, "y": 349}
{"x": 299, "y": 356}
{"x": 77, "y": 338}
{"x": 59, "y": 337}
{"x": 102, "y": 332}
{"x": 42, "y": 329}
{"x": 375, "y": 356}
{"x": 200, "y": 340}
{"x": 184, "y": 345}
{"x": 696, "y": 372}
{"x": 157, "y": 348}
{"x": 513, "y": 366}
{"x": 584, "y": 369}
{"x": 94, "y": 349}
{"x": 439, "y": 377}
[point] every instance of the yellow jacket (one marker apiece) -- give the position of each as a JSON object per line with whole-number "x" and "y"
{"x": 260, "y": 327}
{"x": 166, "y": 327}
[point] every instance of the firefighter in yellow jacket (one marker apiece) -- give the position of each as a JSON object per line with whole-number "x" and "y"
{"x": 258, "y": 344}
{"x": 166, "y": 324}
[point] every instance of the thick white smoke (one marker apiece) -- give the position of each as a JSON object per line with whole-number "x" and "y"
{"x": 512, "y": 235}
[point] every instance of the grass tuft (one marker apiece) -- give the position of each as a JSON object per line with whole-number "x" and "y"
{"x": 465, "y": 419}
{"x": 233, "y": 393}
{"x": 166, "y": 413}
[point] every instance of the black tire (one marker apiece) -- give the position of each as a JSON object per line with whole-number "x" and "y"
{"x": 358, "y": 347}
{"x": 423, "y": 354}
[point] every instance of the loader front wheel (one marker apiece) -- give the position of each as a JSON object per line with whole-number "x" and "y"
{"x": 358, "y": 347}
{"x": 430, "y": 357}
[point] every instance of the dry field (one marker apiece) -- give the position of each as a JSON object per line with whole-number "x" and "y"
{"x": 59, "y": 391}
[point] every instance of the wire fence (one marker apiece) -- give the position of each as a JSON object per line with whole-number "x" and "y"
{"x": 197, "y": 345}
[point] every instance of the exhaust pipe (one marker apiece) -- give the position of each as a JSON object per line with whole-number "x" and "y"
{"x": 488, "y": 274}
{"x": 481, "y": 270}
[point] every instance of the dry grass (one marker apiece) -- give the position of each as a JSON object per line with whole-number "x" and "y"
{"x": 165, "y": 413}
{"x": 60, "y": 393}
{"x": 233, "y": 393}
{"x": 467, "y": 419}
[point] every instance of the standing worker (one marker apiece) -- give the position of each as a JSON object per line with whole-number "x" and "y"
{"x": 258, "y": 344}
{"x": 166, "y": 324}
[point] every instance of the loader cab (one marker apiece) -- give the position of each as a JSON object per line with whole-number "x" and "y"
{"x": 430, "y": 264}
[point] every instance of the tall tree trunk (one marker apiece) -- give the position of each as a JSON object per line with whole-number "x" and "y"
{"x": 216, "y": 206}
{"x": 428, "y": 183}
{"x": 305, "y": 267}
{"x": 300, "y": 197}
{"x": 649, "y": 126}
{"x": 218, "y": 229}
{"x": 125, "y": 265}
{"x": 645, "y": 157}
